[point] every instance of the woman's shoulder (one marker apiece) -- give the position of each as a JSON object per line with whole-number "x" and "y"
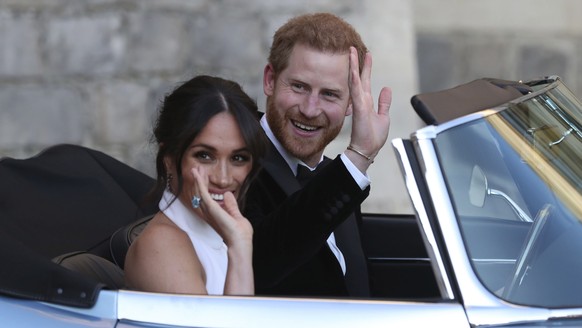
{"x": 160, "y": 231}
{"x": 151, "y": 262}
{"x": 160, "y": 237}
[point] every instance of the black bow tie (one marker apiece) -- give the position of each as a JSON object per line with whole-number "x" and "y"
{"x": 304, "y": 174}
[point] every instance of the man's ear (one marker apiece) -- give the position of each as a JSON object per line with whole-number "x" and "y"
{"x": 268, "y": 80}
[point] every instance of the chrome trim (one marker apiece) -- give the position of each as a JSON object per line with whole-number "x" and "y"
{"x": 508, "y": 261}
{"x": 566, "y": 313}
{"x": 518, "y": 211}
{"x": 401, "y": 259}
{"x": 232, "y": 311}
{"x": 442, "y": 277}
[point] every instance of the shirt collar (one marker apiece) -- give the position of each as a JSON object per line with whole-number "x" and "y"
{"x": 290, "y": 159}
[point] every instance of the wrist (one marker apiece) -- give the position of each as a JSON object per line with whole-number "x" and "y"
{"x": 369, "y": 158}
{"x": 240, "y": 246}
{"x": 358, "y": 161}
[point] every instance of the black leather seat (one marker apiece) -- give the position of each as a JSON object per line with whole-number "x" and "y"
{"x": 123, "y": 237}
{"x": 93, "y": 266}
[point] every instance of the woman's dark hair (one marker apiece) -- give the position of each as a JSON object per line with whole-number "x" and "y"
{"x": 186, "y": 111}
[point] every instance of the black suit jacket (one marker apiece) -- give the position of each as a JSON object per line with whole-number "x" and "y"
{"x": 291, "y": 227}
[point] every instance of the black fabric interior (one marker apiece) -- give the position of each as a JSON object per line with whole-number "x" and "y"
{"x": 70, "y": 198}
{"x": 66, "y": 199}
{"x": 398, "y": 264}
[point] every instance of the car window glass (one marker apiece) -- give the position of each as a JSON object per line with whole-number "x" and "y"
{"x": 515, "y": 181}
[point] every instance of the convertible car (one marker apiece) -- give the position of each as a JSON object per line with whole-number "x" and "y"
{"x": 495, "y": 179}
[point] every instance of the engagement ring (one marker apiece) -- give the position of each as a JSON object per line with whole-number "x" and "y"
{"x": 196, "y": 201}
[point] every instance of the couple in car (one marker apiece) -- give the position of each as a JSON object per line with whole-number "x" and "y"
{"x": 242, "y": 209}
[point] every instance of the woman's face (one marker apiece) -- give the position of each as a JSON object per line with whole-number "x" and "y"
{"x": 223, "y": 154}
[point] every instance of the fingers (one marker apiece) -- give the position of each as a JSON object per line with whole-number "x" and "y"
{"x": 231, "y": 205}
{"x": 354, "y": 78}
{"x": 213, "y": 213}
{"x": 208, "y": 205}
{"x": 384, "y": 101}
{"x": 366, "y": 75}
{"x": 360, "y": 84}
{"x": 201, "y": 183}
{"x": 370, "y": 127}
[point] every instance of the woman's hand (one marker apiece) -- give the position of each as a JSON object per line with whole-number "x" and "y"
{"x": 235, "y": 230}
{"x": 228, "y": 221}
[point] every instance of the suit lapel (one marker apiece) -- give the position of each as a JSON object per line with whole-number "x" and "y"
{"x": 277, "y": 167}
{"x": 347, "y": 236}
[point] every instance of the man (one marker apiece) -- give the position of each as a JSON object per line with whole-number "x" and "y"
{"x": 306, "y": 238}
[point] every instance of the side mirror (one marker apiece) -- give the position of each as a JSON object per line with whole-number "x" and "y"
{"x": 478, "y": 187}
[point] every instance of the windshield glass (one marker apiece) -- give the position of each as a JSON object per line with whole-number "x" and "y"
{"x": 515, "y": 178}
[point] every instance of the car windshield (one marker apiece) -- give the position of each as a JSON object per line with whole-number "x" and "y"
{"x": 515, "y": 178}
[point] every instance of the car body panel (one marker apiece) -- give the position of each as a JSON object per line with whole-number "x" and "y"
{"x": 30, "y": 313}
{"x": 216, "y": 311}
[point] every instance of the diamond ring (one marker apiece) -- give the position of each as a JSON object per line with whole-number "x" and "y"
{"x": 196, "y": 201}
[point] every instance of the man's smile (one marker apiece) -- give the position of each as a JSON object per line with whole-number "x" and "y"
{"x": 304, "y": 127}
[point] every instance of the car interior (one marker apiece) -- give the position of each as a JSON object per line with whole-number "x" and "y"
{"x": 81, "y": 209}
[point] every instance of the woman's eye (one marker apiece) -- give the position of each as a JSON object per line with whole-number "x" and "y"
{"x": 203, "y": 156}
{"x": 241, "y": 158}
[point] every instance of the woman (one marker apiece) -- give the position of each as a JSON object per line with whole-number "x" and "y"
{"x": 209, "y": 143}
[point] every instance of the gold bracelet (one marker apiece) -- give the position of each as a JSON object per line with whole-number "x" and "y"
{"x": 369, "y": 158}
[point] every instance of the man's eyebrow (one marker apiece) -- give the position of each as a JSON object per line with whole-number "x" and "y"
{"x": 333, "y": 90}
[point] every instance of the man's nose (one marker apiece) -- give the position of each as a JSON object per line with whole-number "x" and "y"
{"x": 311, "y": 106}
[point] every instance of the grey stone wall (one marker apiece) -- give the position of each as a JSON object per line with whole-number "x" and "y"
{"x": 92, "y": 72}
{"x": 515, "y": 40}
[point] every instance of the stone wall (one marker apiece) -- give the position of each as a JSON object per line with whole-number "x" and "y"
{"x": 92, "y": 72}
{"x": 516, "y": 40}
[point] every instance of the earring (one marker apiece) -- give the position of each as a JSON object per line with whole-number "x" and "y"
{"x": 169, "y": 182}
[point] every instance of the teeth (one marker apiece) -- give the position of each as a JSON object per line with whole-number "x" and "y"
{"x": 217, "y": 197}
{"x": 304, "y": 127}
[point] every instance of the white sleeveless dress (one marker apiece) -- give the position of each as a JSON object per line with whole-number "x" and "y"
{"x": 209, "y": 246}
